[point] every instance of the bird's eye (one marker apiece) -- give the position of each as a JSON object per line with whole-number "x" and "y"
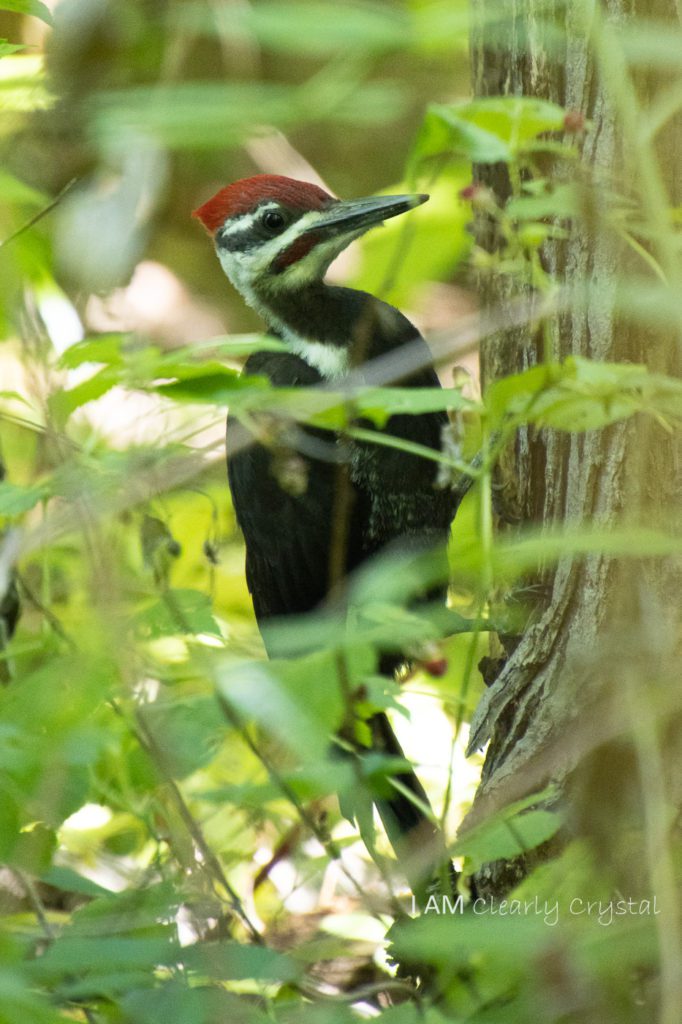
{"x": 273, "y": 221}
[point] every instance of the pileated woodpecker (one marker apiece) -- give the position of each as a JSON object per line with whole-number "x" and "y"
{"x": 275, "y": 238}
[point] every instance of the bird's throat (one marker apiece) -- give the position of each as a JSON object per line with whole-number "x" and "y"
{"x": 305, "y": 323}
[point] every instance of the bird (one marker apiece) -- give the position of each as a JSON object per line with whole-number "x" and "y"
{"x": 312, "y": 521}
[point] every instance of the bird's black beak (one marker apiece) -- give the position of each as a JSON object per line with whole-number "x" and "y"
{"x": 358, "y": 215}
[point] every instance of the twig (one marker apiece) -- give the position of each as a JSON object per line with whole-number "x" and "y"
{"x": 41, "y": 213}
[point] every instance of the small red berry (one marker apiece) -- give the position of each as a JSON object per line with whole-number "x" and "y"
{"x": 471, "y": 192}
{"x": 436, "y": 667}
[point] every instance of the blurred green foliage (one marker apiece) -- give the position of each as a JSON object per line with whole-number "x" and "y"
{"x": 151, "y": 759}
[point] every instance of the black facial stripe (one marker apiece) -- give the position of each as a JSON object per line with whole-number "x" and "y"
{"x": 238, "y": 241}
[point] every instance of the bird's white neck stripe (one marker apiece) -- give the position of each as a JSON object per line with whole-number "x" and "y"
{"x": 330, "y": 361}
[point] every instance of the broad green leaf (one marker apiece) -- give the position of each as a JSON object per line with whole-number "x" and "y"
{"x": 513, "y": 119}
{"x": 179, "y": 611}
{"x": 306, "y": 28}
{"x": 168, "y": 113}
{"x": 187, "y": 732}
{"x": 562, "y": 202}
{"x": 453, "y": 941}
{"x": 15, "y": 500}
{"x": 64, "y": 403}
{"x": 580, "y": 394}
{"x": 33, "y": 7}
{"x": 238, "y": 962}
{"x": 506, "y": 836}
{"x": 67, "y": 880}
{"x": 486, "y": 130}
{"x": 299, "y": 700}
{"x": 134, "y": 913}
{"x": 445, "y": 133}
{"x": 174, "y": 1002}
{"x": 106, "y": 348}
{"x": 101, "y": 964}
{"x": 216, "y": 385}
{"x": 7, "y": 48}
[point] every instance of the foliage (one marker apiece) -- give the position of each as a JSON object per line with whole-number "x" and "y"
{"x": 148, "y": 748}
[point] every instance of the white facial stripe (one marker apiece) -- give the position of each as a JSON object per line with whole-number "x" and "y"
{"x": 244, "y": 269}
{"x": 245, "y": 220}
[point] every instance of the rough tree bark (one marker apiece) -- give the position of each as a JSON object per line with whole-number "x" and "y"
{"x": 607, "y": 628}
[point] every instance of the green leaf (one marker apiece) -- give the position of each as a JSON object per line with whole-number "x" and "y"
{"x": 168, "y": 113}
{"x": 562, "y": 202}
{"x": 7, "y": 48}
{"x": 105, "y": 348}
{"x": 88, "y": 966}
{"x": 177, "y": 612}
{"x": 487, "y": 130}
{"x": 238, "y": 962}
{"x": 64, "y": 403}
{"x": 188, "y": 732}
{"x": 67, "y": 880}
{"x": 298, "y": 700}
{"x": 514, "y": 559}
{"x": 580, "y": 394}
{"x": 427, "y": 247}
{"x": 15, "y": 500}
{"x": 210, "y": 383}
{"x": 175, "y": 1003}
{"x": 33, "y": 7}
{"x": 306, "y": 29}
{"x": 507, "y": 835}
{"x": 445, "y": 132}
{"x": 134, "y": 913}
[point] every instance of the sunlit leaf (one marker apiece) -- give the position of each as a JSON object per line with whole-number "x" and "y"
{"x": 34, "y": 7}
{"x": 486, "y": 130}
{"x": 15, "y": 500}
{"x": 232, "y": 960}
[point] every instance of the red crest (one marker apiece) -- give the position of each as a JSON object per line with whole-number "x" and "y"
{"x": 243, "y": 195}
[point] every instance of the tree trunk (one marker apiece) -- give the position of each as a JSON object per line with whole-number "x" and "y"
{"x": 607, "y": 629}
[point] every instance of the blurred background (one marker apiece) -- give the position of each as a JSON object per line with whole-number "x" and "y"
{"x": 117, "y": 120}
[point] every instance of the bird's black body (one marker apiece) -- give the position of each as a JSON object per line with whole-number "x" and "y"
{"x": 393, "y": 498}
{"x": 389, "y": 498}
{"x": 349, "y": 500}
